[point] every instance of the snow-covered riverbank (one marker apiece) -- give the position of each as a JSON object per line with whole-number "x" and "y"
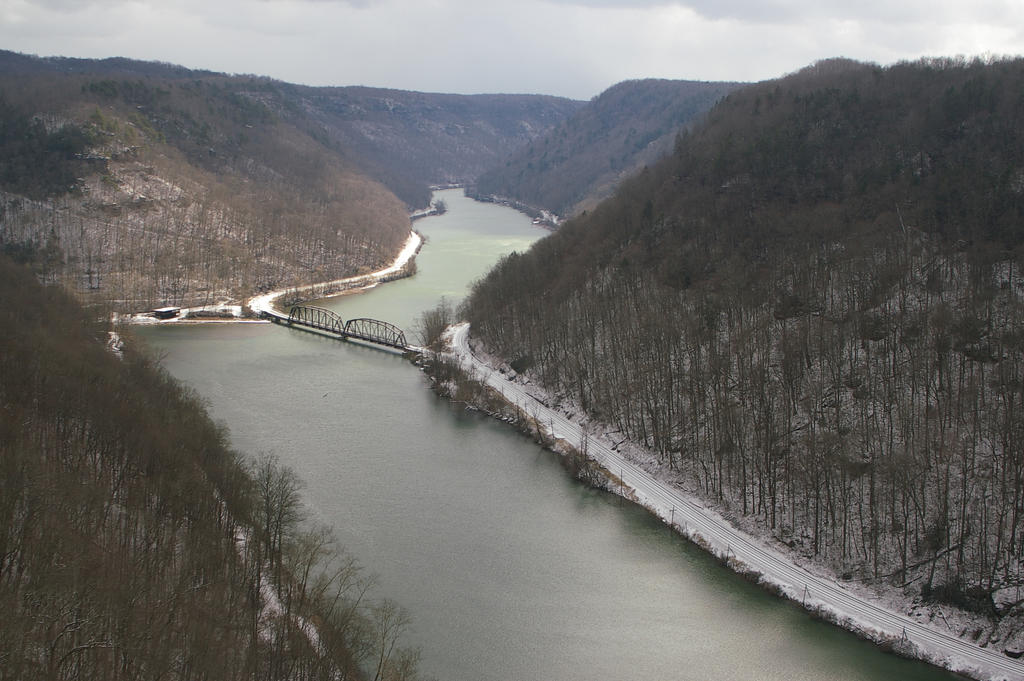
{"x": 851, "y": 606}
{"x": 264, "y": 303}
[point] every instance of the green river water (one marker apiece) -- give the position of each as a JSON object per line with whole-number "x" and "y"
{"x": 509, "y": 568}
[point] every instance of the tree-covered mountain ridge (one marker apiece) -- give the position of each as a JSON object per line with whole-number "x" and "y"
{"x": 583, "y": 158}
{"x": 812, "y": 312}
{"x": 138, "y": 184}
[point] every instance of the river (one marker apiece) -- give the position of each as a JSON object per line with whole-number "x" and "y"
{"x": 509, "y": 568}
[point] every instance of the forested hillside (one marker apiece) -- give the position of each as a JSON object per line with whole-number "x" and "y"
{"x": 177, "y": 189}
{"x": 138, "y": 184}
{"x": 813, "y": 311}
{"x": 410, "y": 140}
{"x": 135, "y": 544}
{"x": 583, "y": 159}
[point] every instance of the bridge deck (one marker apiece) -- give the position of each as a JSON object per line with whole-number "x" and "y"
{"x": 363, "y": 329}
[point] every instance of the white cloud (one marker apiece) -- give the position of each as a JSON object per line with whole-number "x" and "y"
{"x": 570, "y": 47}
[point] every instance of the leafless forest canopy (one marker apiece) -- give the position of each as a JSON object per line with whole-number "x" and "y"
{"x": 813, "y": 312}
{"x": 135, "y": 543}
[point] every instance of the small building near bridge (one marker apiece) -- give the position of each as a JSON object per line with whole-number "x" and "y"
{"x": 166, "y": 312}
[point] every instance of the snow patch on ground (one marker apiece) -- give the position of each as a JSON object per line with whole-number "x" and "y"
{"x": 223, "y": 311}
{"x": 272, "y": 609}
{"x": 115, "y": 344}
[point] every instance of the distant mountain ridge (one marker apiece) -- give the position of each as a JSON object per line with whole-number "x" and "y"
{"x": 154, "y": 184}
{"x": 26, "y": 64}
{"x": 582, "y": 159}
{"x": 406, "y": 140}
{"x": 431, "y": 138}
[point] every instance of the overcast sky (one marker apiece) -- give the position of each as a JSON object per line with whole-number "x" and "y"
{"x": 574, "y": 48}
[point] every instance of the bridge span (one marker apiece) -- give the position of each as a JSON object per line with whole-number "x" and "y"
{"x": 327, "y": 322}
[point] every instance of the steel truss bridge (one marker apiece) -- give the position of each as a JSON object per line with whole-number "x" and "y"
{"x": 363, "y": 328}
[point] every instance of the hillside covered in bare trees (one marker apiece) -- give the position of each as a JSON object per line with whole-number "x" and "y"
{"x": 582, "y": 159}
{"x": 813, "y": 311}
{"x": 138, "y": 184}
{"x": 135, "y": 543}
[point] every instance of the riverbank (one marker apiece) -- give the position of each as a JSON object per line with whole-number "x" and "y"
{"x": 540, "y": 216}
{"x": 403, "y": 265}
{"x": 887, "y": 620}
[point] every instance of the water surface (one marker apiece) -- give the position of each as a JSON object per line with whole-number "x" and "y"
{"x": 510, "y": 569}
